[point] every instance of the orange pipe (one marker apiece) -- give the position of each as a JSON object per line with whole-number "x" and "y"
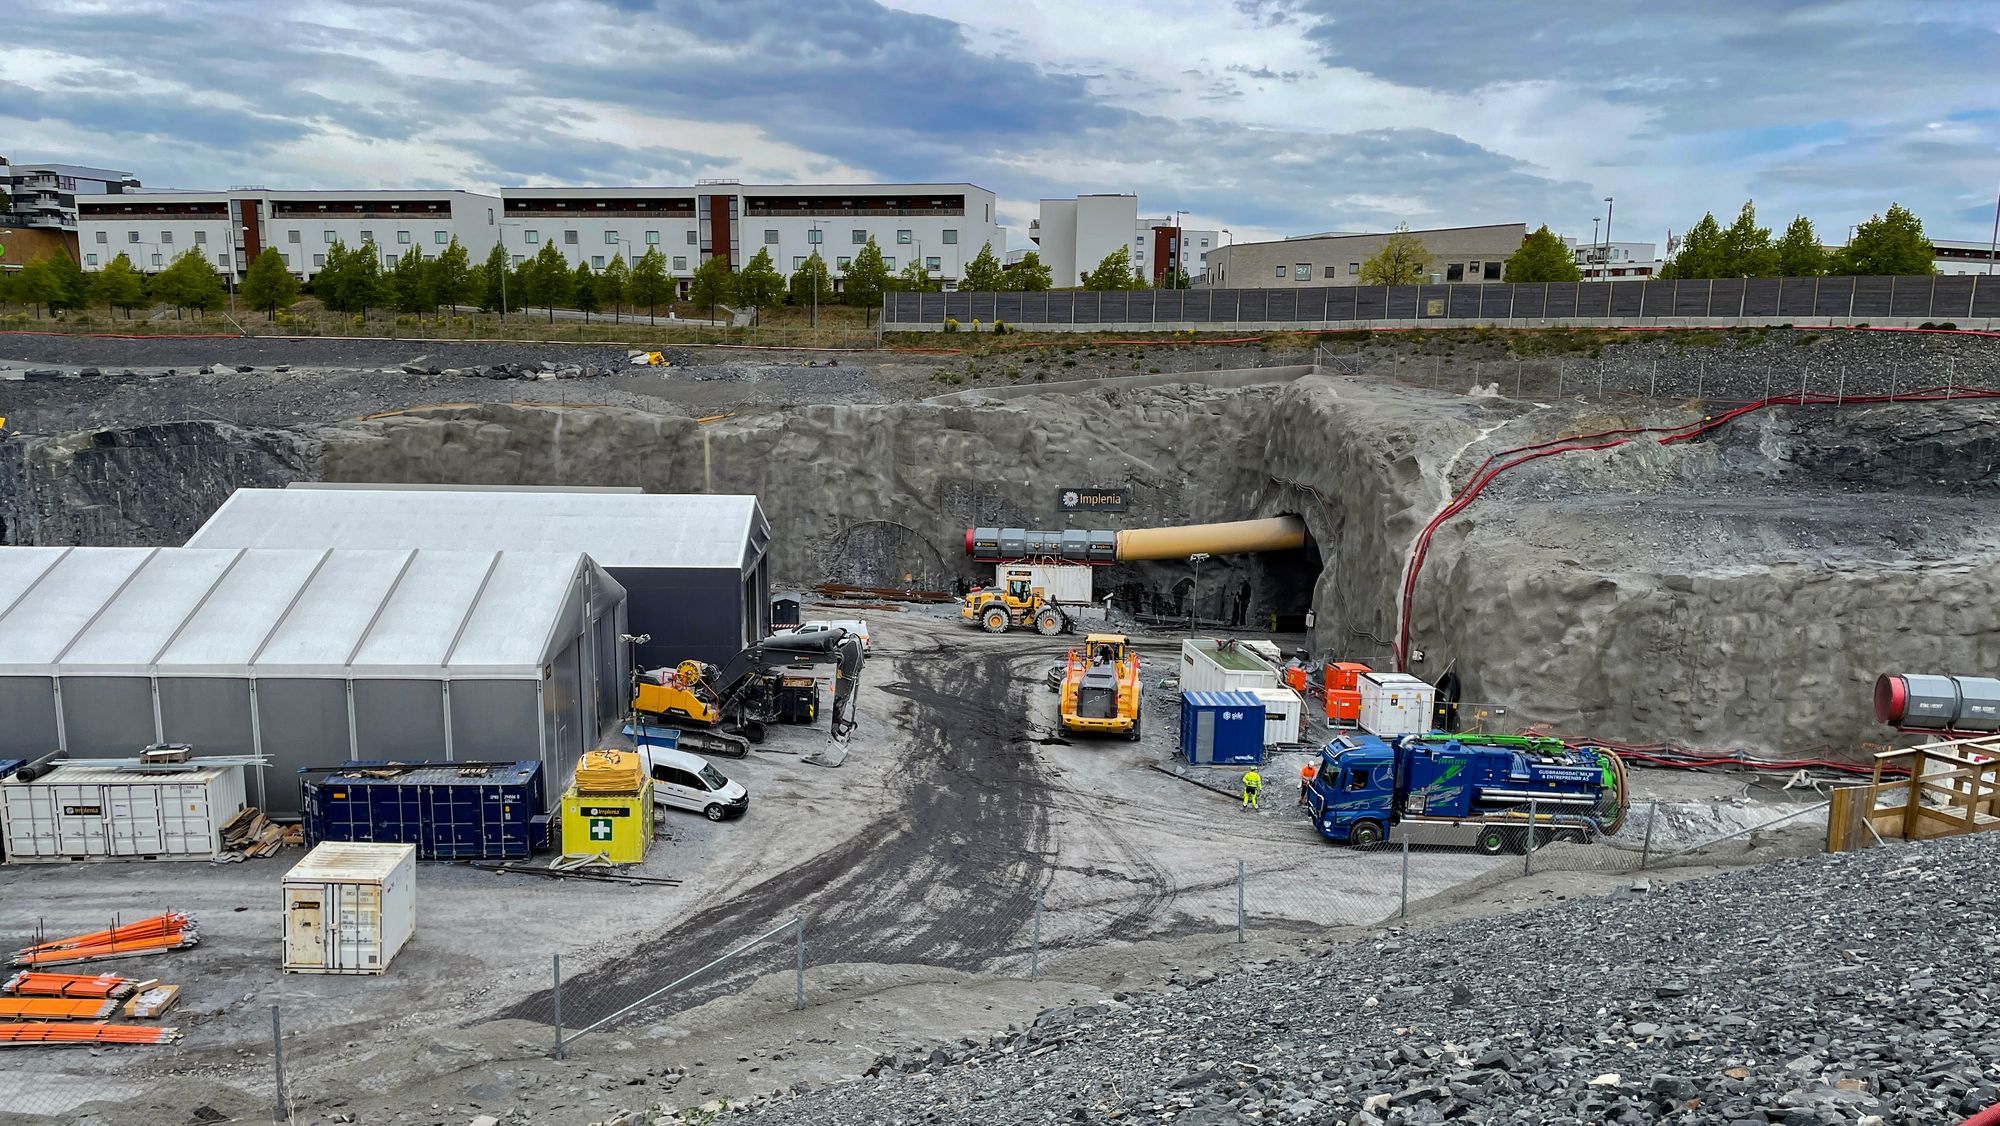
{"x": 1277, "y": 533}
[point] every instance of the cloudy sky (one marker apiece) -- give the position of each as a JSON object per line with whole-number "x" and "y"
{"x": 1268, "y": 117}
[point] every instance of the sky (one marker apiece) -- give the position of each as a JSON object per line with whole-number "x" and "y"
{"x": 1266, "y": 117}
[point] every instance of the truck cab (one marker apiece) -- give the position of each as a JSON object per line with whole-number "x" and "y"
{"x": 1353, "y": 796}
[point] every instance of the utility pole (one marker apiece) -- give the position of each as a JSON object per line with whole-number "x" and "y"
{"x": 1607, "y": 235}
{"x": 1194, "y": 596}
{"x": 1993, "y": 249}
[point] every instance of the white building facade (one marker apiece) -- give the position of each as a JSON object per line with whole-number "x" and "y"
{"x": 1603, "y": 260}
{"x": 231, "y": 228}
{"x": 1953, "y": 257}
{"x": 941, "y": 225}
{"x": 1075, "y": 234}
{"x": 1158, "y": 245}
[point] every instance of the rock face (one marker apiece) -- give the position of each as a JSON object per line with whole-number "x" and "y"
{"x": 1744, "y": 589}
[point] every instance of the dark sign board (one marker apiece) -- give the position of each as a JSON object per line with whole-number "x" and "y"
{"x": 1092, "y": 500}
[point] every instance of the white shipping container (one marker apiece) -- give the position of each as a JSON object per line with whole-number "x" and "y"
{"x": 349, "y": 907}
{"x": 1068, "y": 583}
{"x": 1284, "y": 715}
{"x": 1395, "y": 703}
{"x": 1205, "y": 667}
{"x": 81, "y": 812}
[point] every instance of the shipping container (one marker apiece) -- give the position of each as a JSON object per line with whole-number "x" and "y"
{"x": 618, "y": 825}
{"x": 1068, "y": 583}
{"x": 1222, "y": 666}
{"x": 9, "y": 765}
{"x": 1284, "y": 715}
{"x": 1395, "y": 703}
{"x": 449, "y": 811}
{"x": 349, "y": 908}
{"x": 1343, "y": 691}
{"x": 107, "y": 813}
{"x": 1222, "y": 728}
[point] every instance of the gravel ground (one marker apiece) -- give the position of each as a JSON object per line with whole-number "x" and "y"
{"x": 1864, "y": 1000}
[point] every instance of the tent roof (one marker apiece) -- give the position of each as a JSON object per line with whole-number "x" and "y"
{"x": 616, "y": 529}
{"x": 109, "y": 611}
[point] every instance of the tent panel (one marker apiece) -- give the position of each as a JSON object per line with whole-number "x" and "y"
{"x": 107, "y": 716}
{"x": 303, "y": 722}
{"x": 399, "y": 720}
{"x": 28, "y": 705}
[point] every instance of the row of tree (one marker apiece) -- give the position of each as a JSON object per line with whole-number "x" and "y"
{"x": 59, "y": 285}
{"x": 1892, "y": 244}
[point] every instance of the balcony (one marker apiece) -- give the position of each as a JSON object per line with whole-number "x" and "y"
{"x": 845, "y": 212}
{"x": 49, "y": 220}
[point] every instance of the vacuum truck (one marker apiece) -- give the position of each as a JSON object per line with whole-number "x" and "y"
{"x": 1512, "y": 791}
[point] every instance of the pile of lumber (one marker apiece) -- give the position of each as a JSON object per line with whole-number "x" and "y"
{"x": 174, "y": 930}
{"x": 251, "y": 834}
{"x": 47, "y": 1008}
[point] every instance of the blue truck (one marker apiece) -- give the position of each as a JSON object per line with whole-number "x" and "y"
{"x": 1512, "y": 792}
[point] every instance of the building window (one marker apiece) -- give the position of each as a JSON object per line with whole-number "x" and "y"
{"x": 902, "y": 238}
{"x": 1454, "y": 271}
{"x": 798, "y": 262}
{"x": 489, "y": 216}
{"x": 1472, "y": 271}
{"x": 531, "y": 237}
{"x": 368, "y": 236}
{"x": 402, "y": 238}
{"x": 652, "y": 238}
{"x": 1353, "y": 268}
{"x": 201, "y": 238}
{"x": 156, "y": 260}
{"x": 1329, "y": 271}
{"x": 90, "y": 259}
{"x": 1204, "y": 244}
{"x": 327, "y": 237}
{"x": 611, "y": 238}
{"x": 287, "y": 259}
{"x": 931, "y": 264}
{"x": 814, "y": 236}
{"x": 597, "y": 261}
{"x": 770, "y": 238}
{"x": 222, "y": 259}
{"x": 691, "y": 238}
{"x": 843, "y": 262}
{"x": 951, "y": 238}
{"x": 1493, "y": 271}
{"x": 858, "y": 238}
{"x": 569, "y": 238}
{"x": 441, "y": 237}
{"x": 518, "y": 259}
{"x": 389, "y": 259}
{"x": 1281, "y": 271}
{"x": 131, "y": 236}
{"x": 166, "y": 238}
{"x": 103, "y": 236}
{"x": 680, "y": 262}
{"x": 320, "y": 260}
{"x": 888, "y": 263}
{"x": 1302, "y": 271}
{"x": 291, "y": 236}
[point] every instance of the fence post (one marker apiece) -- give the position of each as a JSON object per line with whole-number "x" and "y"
{"x": 1840, "y": 391}
{"x": 1804, "y": 374}
{"x": 799, "y": 964}
{"x": 1404, "y": 910}
{"x": 1600, "y": 381}
{"x": 1239, "y": 901}
{"x": 1035, "y": 955}
{"x": 556, "y": 969}
{"x": 1653, "y": 381}
{"x": 1700, "y": 376}
{"x": 1950, "y": 376}
{"x": 1561, "y": 367}
{"x": 1892, "y": 381}
{"x": 281, "y": 1110}
{"x": 1517, "y": 378}
{"x": 1528, "y": 845}
{"x": 1646, "y": 850}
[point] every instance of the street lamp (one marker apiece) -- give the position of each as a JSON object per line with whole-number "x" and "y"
{"x": 506, "y": 266}
{"x": 1607, "y": 235}
{"x": 1194, "y": 596}
{"x": 1593, "y": 243}
{"x": 812, "y": 246}
{"x": 1180, "y": 244}
{"x": 617, "y": 312}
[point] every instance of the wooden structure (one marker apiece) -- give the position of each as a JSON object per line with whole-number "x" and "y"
{"x": 1953, "y": 787}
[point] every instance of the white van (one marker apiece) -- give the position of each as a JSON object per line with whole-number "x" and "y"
{"x": 854, "y": 626}
{"x": 685, "y": 781}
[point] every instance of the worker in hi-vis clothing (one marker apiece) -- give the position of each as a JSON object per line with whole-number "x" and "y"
{"x": 1306, "y": 774}
{"x": 1253, "y": 783}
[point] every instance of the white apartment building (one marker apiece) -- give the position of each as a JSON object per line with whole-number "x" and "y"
{"x": 1076, "y": 234}
{"x": 44, "y": 196}
{"x": 941, "y": 225}
{"x": 1950, "y": 256}
{"x": 1157, "y": 243}
{"x": 233, "y": 227}
{"x": 1603, "y": 260}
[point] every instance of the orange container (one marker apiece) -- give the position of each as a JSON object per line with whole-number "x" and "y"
{"x": 1295, "y": 679}
{"x": 1343, "y": 693}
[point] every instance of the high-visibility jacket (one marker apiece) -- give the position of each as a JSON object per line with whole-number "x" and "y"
{"x": 1253, "y": 781}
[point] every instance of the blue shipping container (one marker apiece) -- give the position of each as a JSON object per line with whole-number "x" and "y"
{"x": 450, "y": 811}
{"x": 1222, "y": 728}
{"x": 10, "y": 765}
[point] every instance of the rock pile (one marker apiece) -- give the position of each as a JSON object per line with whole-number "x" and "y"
{"x": 1831, "y": 990}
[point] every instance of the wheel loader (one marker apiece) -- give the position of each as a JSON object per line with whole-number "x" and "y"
{"x": 1100, "y": 688}
{"x": 1017, "y": 602}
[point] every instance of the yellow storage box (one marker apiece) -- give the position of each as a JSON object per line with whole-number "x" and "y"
{"x": 610, "y": 772}
{"x": 618, "y": 825}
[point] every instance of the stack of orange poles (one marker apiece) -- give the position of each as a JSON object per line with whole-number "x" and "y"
{"x": 86, "y": 1034}
{"x": 56, "y": 1008}
{"x": 171, "y": 931}
{"x": 29, "y": 983}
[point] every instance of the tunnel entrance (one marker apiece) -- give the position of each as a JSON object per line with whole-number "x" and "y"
{"x": 1265, "y": 591}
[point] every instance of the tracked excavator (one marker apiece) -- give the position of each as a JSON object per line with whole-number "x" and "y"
{"x": 723, "y": 709}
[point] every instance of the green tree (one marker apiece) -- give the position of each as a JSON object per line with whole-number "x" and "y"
{"x": 866, "y": 279}
{"x": 1401, "y": 261}
{"x": 760, "y": 285}
{"x": 612, "y": 285}
{"x": 37, "y": 284}
{"x": 983, "y": 274}
{"x": 448, "y": 277}
{"x": 351, "y": 280}
{"x": 914, "y": 278}
{"x": 548, "y": 279}
{"x": 409, "y": 283}
{"x": 1799, "y": 252}
{"x": 583, "y": 290}
{"x": 70, "y": 280}
{"x": 1701, "y": 254}
{"x": 1029, "y": 275}
{"x": 189, "y": 282}
{"x": 119, "y": 286}
{"x": 649, "y": 284}
{"x": 1542, "y": 258}
{"x": 497, "y": 293}
{"x": 1747, "y": 247}
{"x": 268, "y": 285}
{"x": 1114, "y": 272}
{"x": 7, "y": 286}
{"x": 811, "y": 282}
{"x": 1891, "y": 245}
{"x": 713, "y": 284}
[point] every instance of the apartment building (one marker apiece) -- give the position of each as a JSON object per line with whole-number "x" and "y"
{"x": 1158, "y": 243}
{"x": 1950, "y": 256}
{"x": 1602, "y": 260}
{"x": 232, "y": 227}
{"x": 44, "y": 197}
{"x": 1458, "y": 254}
{"x": 941, "y": 225}
{"x": 1075, "y": 234}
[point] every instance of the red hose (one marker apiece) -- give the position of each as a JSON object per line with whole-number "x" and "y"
{"x": 1487, "y": 471}
{"x": 1988, "y": 1117}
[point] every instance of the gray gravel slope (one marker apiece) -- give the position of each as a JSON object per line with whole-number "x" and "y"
{"x": 1847, "y": 989}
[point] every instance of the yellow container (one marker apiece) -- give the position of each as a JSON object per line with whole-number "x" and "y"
{"x": 619, "y": 825}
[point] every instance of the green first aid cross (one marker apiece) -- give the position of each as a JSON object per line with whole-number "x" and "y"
{"x": 600, "y": 828}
